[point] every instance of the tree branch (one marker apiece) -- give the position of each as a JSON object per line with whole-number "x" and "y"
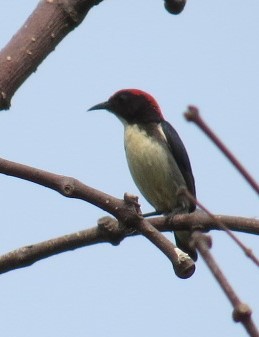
{"x": 73, "y": 188}
{"x": 50, "y": 22}
{"x": 67, "y": 186}
{"x": 109, "y": 231}
{"x": 126, "y": 211}
{"x": 248, "y": 252}
{"x": 242, "y": 313}
{"x": 193, "y": 115}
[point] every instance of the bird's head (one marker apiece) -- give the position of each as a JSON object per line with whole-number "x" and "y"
{"x": 132, "y": 106}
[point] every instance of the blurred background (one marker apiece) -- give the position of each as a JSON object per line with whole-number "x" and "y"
{"x": 207, "y": 56}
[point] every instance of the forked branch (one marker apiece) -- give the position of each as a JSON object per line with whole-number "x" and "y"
{"x": 126, "y": 211}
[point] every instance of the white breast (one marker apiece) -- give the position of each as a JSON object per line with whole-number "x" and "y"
{"x": 153, "y": 168}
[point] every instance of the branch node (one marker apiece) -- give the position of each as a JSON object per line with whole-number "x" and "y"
{"x": 185, "y": 266}
{"x": 205, "y": 240}
{"x": 4, "y": 101}
{"x": 68, "y": 186}
{"x": 241, "y": 312}
{"x": 68, "y": 189}
{"x": 70, "y": 11}
{"x": 131, "y": 199}
{"x": 109, "y": 227}
{"x": 192, "y": 114}
{"x": 133, "y": 206}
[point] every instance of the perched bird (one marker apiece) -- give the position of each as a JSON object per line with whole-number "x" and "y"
{"x": 156, "y": 156}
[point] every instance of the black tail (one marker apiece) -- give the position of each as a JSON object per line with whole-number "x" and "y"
{"x": 182, "y": 240}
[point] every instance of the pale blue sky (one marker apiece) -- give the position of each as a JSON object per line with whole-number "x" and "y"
{"x": 207, "y": 56}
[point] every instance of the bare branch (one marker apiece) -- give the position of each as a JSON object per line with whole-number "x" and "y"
{"x": 67, "y": 186}
{"x": 193, "y": 115}
{"x": 72, "y": 188}
{"x": 183, "y": 265}
{"x": 50, "y": 22}
{"x": 126, "y": 211}
{"x": 109, "y": 231}
{"x": 248, "y": 252}
{"x": 242, "y": 313}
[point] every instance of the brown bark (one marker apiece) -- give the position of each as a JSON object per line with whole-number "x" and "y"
{"x": 50, "y": 22}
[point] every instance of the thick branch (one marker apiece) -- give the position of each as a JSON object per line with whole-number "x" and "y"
{"x": 67, "y": 186}
{"x": 73, "y": 188}
{"x": 109, "y": 231}
{"x": 124, "y": 210}
{"x": 50, "y": 22}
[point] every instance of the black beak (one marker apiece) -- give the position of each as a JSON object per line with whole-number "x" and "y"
{"x": 100, "y": 106}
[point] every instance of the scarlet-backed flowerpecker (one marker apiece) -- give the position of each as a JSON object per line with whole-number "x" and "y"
{"x": 157, "y": 158}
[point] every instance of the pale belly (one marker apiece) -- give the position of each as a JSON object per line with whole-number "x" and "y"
{"x": 153, "y": 169}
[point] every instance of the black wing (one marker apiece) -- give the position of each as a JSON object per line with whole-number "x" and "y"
{"x": 179, "y": 152}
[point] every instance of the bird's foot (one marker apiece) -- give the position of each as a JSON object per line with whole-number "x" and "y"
{"x": 147, "y": 215}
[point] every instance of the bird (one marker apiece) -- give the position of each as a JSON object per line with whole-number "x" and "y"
{"x": 156, "y": 156}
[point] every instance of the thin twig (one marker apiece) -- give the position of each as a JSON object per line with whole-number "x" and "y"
{"x": 193, "y": 115}
{"x": 248, "y": 252}
{"x": 242, "y": 313}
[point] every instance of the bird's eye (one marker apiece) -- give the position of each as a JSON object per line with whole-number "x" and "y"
{"x": 122, "y": 99}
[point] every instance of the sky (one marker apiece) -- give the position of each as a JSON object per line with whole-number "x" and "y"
{"x": 207, "y": 56}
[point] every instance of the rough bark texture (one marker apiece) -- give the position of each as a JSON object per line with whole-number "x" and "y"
{"x": 50, "y": 22}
